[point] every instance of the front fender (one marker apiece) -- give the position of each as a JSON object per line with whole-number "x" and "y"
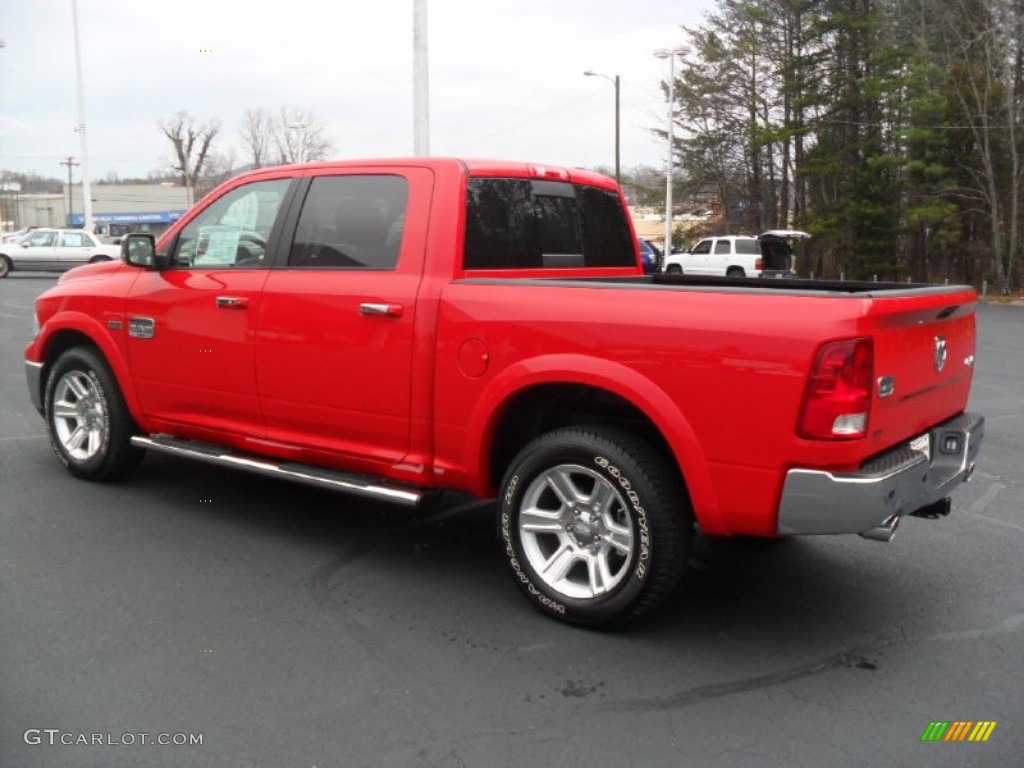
{"x": 613, "y": 377}
{"x": 41, "y": 351}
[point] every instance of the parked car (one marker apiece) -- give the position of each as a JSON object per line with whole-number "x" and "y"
{"x": 650, "y": 255}
{"x": 767, "y": 255}
{"x": 54, "y": 250}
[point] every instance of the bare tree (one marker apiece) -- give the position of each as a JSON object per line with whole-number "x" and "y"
{"x": 218, "y": 168}
{"x": 258, "y": 135}
{"x": 299, "y": 136}
{"x": 988, "y": 65}
{"x": 191, "y": 143}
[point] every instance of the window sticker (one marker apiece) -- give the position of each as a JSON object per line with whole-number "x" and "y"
{"x": 217, "y": 245}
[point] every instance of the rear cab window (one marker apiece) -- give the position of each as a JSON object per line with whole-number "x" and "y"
{"x": 534, "y": 224}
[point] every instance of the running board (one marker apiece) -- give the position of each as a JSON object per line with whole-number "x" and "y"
{"x": 302, "y": 473}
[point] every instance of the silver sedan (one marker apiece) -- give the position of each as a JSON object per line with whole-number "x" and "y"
{"x": 54, "y": 250}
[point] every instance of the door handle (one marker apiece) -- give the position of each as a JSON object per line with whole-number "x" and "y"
{"x": 232, "y": 302}
{"x": 384, "y": 310}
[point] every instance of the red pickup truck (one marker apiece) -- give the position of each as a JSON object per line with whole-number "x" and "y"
{"x": 394, "y": 327}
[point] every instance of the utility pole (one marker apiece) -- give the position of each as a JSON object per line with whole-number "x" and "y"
{"x": 70, "y": 163}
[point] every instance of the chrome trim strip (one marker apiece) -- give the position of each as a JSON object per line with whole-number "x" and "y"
{"x": 898, "y": 483}
{"x": 301, "y": 473}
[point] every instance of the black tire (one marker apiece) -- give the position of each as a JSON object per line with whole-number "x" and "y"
{"x": 89, "y": 425}
{"x": 674, "y": 269}
{"x": 97, "y": 259}
{"x": 735, "y": 272}
{"x": 555, "y": 548}
{"x": 5, "y": 266}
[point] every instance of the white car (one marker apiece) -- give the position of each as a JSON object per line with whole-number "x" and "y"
{"x": 769, "y": 255}
{"x": 54, "y": 250}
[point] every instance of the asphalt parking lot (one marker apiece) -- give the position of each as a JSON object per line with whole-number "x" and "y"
{"x": 286, "y": 626}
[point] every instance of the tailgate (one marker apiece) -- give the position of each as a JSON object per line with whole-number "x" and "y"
{"x": 924, "y": 361}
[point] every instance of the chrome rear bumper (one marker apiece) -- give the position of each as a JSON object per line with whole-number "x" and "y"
{"x": 899, "y": 482}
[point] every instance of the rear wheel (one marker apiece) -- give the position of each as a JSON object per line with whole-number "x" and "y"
{"x": 5, "y": 266}
{"x": 595, "y": 525}
{"x": 735, "y": 272}
{"x": 674, "y": 269}
{"x": 89, "y": 425}
{"x": 99, "y": 258}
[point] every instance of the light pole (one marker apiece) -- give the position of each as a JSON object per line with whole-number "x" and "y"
{"x": 670, "y": 54}
{"x": 420, "y": 80}
{"x": 86, "y": 195}
{"x": 614, "y": 80}
{"x": 295, "y": 142}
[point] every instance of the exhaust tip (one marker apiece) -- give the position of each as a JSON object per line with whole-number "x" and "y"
{"x": 885, "y": 531}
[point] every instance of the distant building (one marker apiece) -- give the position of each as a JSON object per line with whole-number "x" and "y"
{"x": 116, "y": 208}
{"x": 121, "y": 208}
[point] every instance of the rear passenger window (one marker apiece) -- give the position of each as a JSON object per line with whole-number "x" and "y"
{"x": 722, "y": 246}
{"x": 524, "y": 224}
{"x": 351, "y": 222}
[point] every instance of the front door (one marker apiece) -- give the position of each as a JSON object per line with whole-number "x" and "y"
{"x": 190, "y": 327}
{"x": 696, "y": 262}
{"x": 37, "y": 251}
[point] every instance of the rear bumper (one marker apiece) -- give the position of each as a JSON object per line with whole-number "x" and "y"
{"x": 899, "y": 482}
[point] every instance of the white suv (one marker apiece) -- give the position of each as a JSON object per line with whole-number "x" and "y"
{"x": 768, "y": 255}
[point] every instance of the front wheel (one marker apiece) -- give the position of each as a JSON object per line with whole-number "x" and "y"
{"x": 89, "y": 425}
{"x": 674, "y": 269}
{"x": 595, "y": 524}
{"x": 5, "y": 266}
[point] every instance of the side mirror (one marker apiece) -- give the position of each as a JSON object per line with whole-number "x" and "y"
{"x": 139, "y": 250}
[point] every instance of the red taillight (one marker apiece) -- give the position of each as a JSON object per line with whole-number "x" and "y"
{"x": 758, "y": 263}
{"x": 838, "y": 399}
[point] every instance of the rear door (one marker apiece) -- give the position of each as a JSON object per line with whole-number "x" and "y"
{"x": 74, "y": 249}
{"x": 335, "y": 335}
{"x": 721, "y": 258}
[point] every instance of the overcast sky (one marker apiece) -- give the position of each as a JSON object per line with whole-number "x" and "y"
{"x": 506, "y": 78}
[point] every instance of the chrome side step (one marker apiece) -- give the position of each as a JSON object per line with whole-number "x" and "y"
{"x": 302, "y": 473}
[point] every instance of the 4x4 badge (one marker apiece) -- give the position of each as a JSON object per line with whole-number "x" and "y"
{"x": 940, "y": 353}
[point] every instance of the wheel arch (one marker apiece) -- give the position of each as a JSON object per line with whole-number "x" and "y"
{"x": 557, "y": 391}
{"x": 75, "y": 330}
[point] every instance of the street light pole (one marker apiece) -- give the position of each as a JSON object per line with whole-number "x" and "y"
{"x": 670, "y": 54}
{"x": 614, "y": 80}
{"x": 83, "y": 145}
{"x": 420, "y": 80}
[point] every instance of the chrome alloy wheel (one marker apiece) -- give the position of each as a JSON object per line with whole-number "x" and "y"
{"x": 79, "y": 415}
{"x": 576, "y": 531}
